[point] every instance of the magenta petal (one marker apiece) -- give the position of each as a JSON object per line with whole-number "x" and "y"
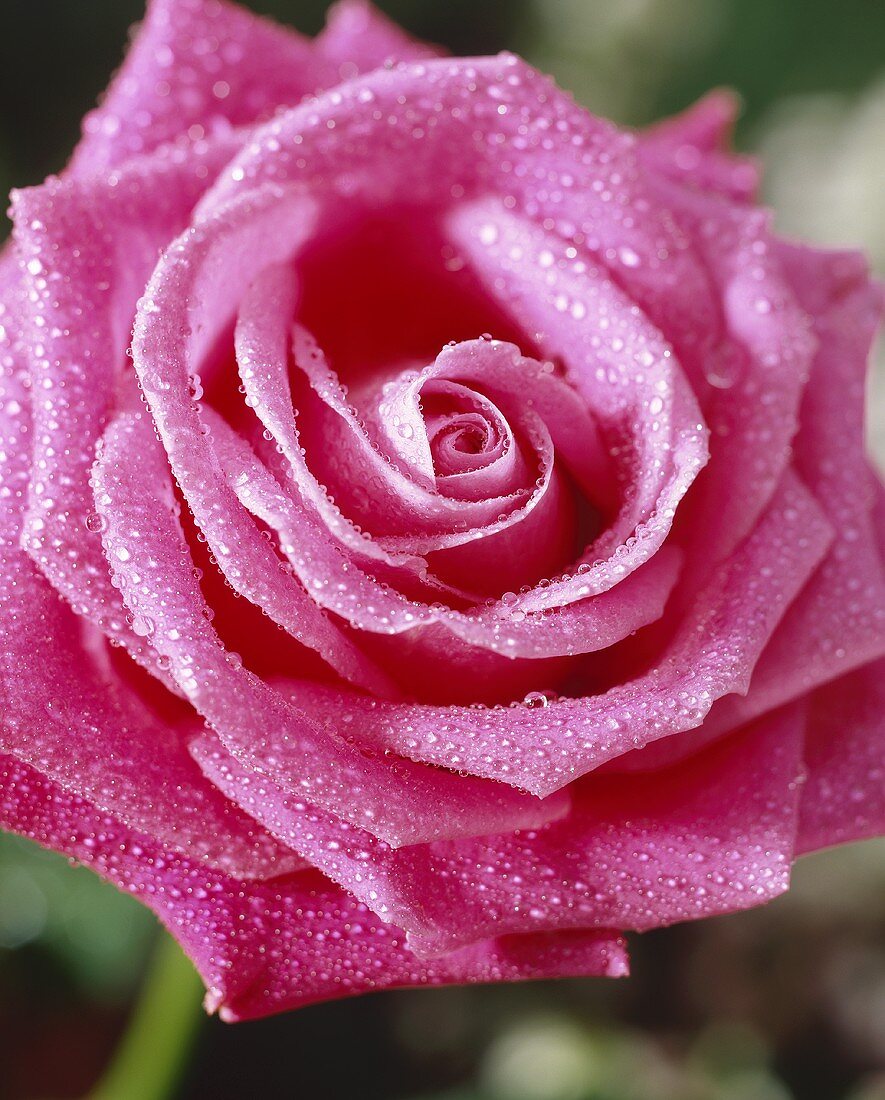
{"x": 198, "y": 67}
{"x": 712, "y": 654}
{"x": 66, "y": 716}
{"x": 635, "y": 853}
{"x": 836, "y": 622}
{"x": 844, "y": 794}
{"x": 394, "y": 799}
{"x": 72, "y": 239}
{"x": 691, "y": 148}
{"x": 267, "y": 948}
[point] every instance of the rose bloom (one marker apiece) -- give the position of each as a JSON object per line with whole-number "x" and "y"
{"x": 437, "y": 535}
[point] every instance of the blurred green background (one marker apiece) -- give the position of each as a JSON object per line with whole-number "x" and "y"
{"x": 785, "y": 1003}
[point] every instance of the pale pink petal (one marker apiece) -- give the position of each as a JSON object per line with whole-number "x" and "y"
{"x": 336, "y": 582}
{"x": 499, "y": 369}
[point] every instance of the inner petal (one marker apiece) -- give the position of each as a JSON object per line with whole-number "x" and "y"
{"x": 473, "y": 448}
{"x": 455, "y": 442}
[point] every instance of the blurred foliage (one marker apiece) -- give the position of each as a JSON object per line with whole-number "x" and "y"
{"x": 785, "y": 1003}
{"x": 85, "y": 927}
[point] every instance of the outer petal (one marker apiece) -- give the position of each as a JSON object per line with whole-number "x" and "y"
{"x": 202, "y": 66}
{"x": 751, "y": 378}
{"x": 692, "y": 148}
{"x": 86, "y": 251}
{"x": 266, "y": 948}
{"x": 838, "y": 622}
{"x": 844, "y": 795}
{"x": 359, "y": 38}
{"x": 63, "y": 709}
{"x": 712, "y": 836}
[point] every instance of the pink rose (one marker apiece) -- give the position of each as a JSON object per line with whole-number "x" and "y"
{"x": 473, "y": 559}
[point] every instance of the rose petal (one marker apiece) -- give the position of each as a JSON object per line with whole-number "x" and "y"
{"x": 202, "y": 66}
{"x": 618, "y": 363}
{"x": 64, "y": 711}
{"x": 836, "y": 624}
{"x": 394, "y": 799}
{"x": 359, "y": 38}
{"x": 268, "y": 948}
{"x": 86, "y": 250}
{"x": 486, "y": 126}
{"x": 692, "y": 148}
{"x": 186, "y": 303}
{"x": 161, "y": 347}
{"x": 752, "y": 376}
{"x": 712, "y": 654}
{"x": 844, "y": 795}
{"x": 344, "y": 455}
{"x": 342, "y": 587}
{"x": 636, "y": 853}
